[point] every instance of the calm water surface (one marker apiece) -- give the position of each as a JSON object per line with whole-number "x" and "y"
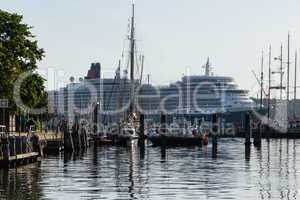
{"x": 271, "y": 172}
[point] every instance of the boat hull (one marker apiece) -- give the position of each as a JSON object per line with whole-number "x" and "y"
{"x": 114, "y": 139}
{"x": 164, "y": 140}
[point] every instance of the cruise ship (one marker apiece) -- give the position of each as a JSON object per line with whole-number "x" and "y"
{"x": 196, "y": 95}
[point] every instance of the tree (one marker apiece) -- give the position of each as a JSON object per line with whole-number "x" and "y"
{"x": 19, "y": 53}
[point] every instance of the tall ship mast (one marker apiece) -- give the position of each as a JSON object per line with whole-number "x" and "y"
{"x": 132, "y": 82}
{"x": 128, "y": 126}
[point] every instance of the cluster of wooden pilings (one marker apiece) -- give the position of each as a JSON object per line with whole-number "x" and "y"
{"x": 18, "y": 150}
{"x": 257, "y": 136}
{"x": 248, "y": 131}
{"x": 75, "y": 139}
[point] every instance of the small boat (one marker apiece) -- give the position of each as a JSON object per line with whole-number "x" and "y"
{"x": 101, "y": 140}
{"x": 172, "y": 138}
{"x": 169, "y": 140}
{"x": 128, "y": 135}
{"x": 53, "y": 147}
{"x": 125, "y": 135}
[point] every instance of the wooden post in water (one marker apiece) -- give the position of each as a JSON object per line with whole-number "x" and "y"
{"x": 258, "y": 135}
{"x": 215, "y": 129}
{"x": 142, "y": 126}
{"x": 248, "y": 130}
{"x": 6, "y": 151}
{"x": 215, "y": 132}
{"x": 83, "y": 137}
{"x": 78, "y": 135}
{"x": 163, "y": 121}
{"x": 68, "y": 139}
{"x": 141, "y": 145}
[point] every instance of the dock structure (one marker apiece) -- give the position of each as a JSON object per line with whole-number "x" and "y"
{"x": 18, "y": 150}
{"x": 75, "y": 139}
{"x": 23, "y": 148}
{"x": 19, "y": 159}
{"x": 50, "y": 142}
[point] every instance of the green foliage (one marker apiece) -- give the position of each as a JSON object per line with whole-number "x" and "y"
{"x": 19, "y": 53}
{"x": 32, "y": 91}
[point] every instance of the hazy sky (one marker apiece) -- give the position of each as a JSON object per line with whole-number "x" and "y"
{"x": 173, "y": 34}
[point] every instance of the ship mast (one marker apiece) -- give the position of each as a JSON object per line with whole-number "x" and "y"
{"x": 281, "y": 73}
{"x": 207, "y": 67}
{"x": 295, "y": 85}
{"x": 288, "y": 71}
{"x": 262, "y": 81}
{"x": 132, "y": 47}
{"x": 269, "y": 92}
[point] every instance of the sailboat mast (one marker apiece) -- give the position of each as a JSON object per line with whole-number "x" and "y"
{"x": 132, "y": 47}
{"x": 281, "y": 72}
{"x": 118, "y": 74}
{"x": 295, "y": 84}
{"x": 142, "y": 69}
{"x": 262, "y": 81}
{"x": 288, "y": 71}
{"x": 269, "y": 92}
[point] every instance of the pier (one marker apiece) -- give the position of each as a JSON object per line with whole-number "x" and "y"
{"x": 23, "y": 148}
{"x": 16, "y": 150}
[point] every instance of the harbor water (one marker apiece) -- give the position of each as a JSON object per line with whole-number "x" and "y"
{"x": 137, "y": 172}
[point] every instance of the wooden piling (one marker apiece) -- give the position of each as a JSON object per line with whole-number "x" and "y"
{"x": 248, "y": 129}
{"x": 142, "y": 126}
{"x": 215, "y": 129}
{"x": 68, "y": 140}
{"x": 215, "y": 132}
{"x": 258, "y": 136}
{"x": 163, "y": 121}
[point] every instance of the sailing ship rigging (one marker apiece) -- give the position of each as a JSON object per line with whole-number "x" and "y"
{"x": 127, "y": 125}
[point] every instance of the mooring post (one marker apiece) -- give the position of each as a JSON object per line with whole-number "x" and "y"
{"x": 163, "y": 153}
{"x": 248, "y": 129}
{"x": 142, "y": 126}
{"x": 215, "y": 132}
{"x": 267, "y": 131}
{"x": 1, "y": 151}
{"x": 141, "y": 145}
{"x": 78, "y": 137}
{"x": 163, "y": 121}
{"x": 247, "y": 152}
{"x": 258, "y": 135}
{"x": 14, "y": 145}
{"x": 6, "y": 152}
{"x": 68, "y": 139}
{"x": 215, "y": 129}
{"x": 84, "y": 137}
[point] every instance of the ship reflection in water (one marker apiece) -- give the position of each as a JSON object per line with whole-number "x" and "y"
{"x": 153, "y": 173}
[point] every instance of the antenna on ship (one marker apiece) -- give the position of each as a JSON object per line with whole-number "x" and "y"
{"x": 207, "y": 67}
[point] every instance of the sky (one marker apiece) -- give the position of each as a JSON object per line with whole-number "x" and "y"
{"x": 176, "y": 36}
